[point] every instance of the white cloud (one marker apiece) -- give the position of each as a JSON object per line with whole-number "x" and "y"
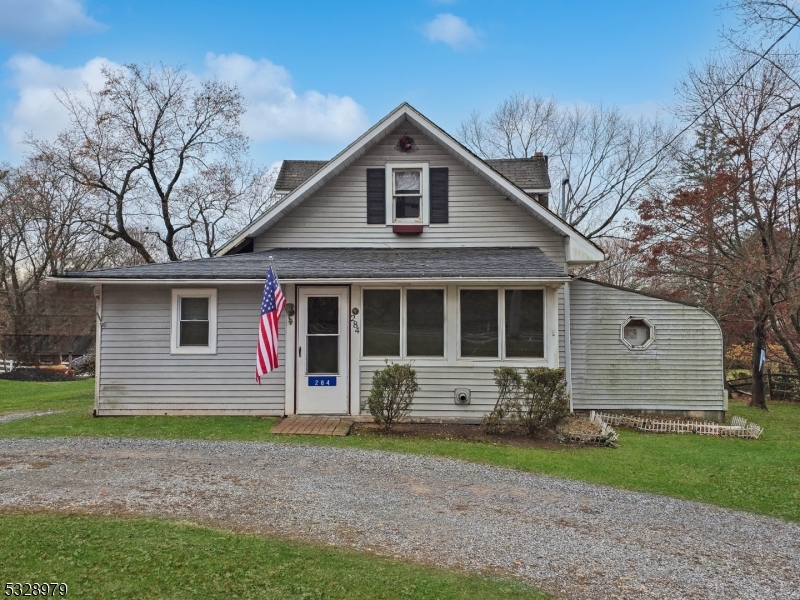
{"x": 43, "y": 22}
{"x": 452, "y": 30}
{"x": 276, "y": 111}
{"x": 37, "y": 111}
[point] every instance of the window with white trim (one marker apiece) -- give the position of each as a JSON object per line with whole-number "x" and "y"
{"x": 194, "y": 321}
{"x": 637, "y": 333}
{"x": 403, "y": 323}
{"x": 501, "y": 323}
{"x": 407, "y": 193}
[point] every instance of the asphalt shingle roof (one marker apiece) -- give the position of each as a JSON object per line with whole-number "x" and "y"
{"x": 295, "y": 172}
{"x": 350, "y": 263}
{"x": 526, "y": 173}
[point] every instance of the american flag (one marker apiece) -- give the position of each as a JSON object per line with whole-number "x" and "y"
{"x": 271, "y": 309}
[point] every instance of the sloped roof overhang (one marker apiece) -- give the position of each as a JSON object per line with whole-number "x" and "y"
{"x": 344, "y": 265}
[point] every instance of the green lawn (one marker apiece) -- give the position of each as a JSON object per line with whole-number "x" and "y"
{"x": 141, "y": 558}
{"x": 761, "y": 476}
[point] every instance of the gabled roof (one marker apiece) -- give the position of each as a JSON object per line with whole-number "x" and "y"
{"x": 577, "y": 246}
{"x": 349, "y": 264}
{"x": 526, "y": 173}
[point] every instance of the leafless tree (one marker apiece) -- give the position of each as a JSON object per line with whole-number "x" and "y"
{"x": 224, "y": 199}
{"x": 163, "y": 157}
{"x": 610, "y": 159}
{"x": 623, "y": 265}
{"x": 41, "y": 234}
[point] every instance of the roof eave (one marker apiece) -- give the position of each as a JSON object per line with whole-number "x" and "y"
{"x": 328, "y": 280}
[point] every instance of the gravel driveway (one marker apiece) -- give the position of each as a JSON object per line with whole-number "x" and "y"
{"x": 575, "y": 539}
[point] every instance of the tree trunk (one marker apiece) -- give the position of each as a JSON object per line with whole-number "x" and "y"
{"x": 759, "y": 342}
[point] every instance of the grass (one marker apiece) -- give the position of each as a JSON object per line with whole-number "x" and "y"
{"x": 19, "y": 396}
{"x": 761, "y": 476}
{"x": 142, "y": 558}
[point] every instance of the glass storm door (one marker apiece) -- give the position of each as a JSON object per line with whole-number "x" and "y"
{"x": 322, "y": 356}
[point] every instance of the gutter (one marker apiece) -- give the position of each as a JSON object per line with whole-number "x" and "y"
{"x": 314, "y": 281}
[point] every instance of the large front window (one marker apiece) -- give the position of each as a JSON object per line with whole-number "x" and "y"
{"x": 504, "y": 323}
{"x": 403, "y": 323}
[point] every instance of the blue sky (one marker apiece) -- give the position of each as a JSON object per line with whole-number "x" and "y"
{"x": 316, "y": 74}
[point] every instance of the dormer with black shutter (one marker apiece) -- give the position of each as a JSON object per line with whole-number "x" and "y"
{"x": 407, "y": 196}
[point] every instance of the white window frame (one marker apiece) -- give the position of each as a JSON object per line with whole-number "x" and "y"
{"x": 177, "y": 294}
{"x": 651, "y": 338}
{"x": 501, "y": 326}
{"x": 403, "y": 319}
{"x": 424, "y": 203}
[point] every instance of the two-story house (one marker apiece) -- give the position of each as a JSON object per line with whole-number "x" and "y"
{"x": 403, "y": 247}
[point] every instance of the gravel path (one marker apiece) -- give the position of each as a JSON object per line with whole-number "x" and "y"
{"x": 575, "y": 539}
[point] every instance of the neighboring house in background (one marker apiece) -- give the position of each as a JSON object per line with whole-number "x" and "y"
{"x": 406, "y": 247}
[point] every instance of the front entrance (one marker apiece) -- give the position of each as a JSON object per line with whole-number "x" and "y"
{"x": 322, "y": 350}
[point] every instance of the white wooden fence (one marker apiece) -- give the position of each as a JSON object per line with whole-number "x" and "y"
{"x": 606, "y": 437}
{"x": 739, "y": 426}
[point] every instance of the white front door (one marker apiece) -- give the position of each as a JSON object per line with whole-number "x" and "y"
{"x": 322, "y": 350}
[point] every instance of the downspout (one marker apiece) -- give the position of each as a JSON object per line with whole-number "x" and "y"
{"x": 568, "y": 346}
{"x": 98, "y": 352}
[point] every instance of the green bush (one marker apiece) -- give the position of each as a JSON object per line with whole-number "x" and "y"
{"x": 509, "y": 387}
{"x": 535, "y": 403}
{"x": 392, "y": 393}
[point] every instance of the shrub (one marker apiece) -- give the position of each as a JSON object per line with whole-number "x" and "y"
{"x": 544, "y": 403}
{"x": 537, "y": 402}
{"x": 392, "y": 393}
{"x": 509, "y": 388}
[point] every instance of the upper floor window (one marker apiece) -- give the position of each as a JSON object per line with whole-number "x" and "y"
{"x": 407, "y": 193}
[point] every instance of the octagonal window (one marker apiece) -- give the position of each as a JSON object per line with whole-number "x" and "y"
{"x": 637, "y": 333}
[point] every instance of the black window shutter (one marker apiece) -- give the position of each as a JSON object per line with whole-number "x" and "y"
{"x": 376, "y": 196}
{"x": 439, "y": 191}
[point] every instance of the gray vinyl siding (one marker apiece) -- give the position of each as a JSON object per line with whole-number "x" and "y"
{"x": 681, "y": 370}
{"x": 479, "y": 215}
{"x": 434, "y": 400}
{"x": 561, "y": 329}
{"x": 138, "y": 375}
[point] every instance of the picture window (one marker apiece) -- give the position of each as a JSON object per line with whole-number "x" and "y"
{"x": 516, "y": 332}
{"x": 403, "y": 322}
